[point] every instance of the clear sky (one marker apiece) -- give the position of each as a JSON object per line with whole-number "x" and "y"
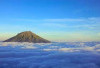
{"x": 55, "y": 20}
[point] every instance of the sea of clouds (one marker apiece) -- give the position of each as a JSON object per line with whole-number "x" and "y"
{"x": 49, "y": 55}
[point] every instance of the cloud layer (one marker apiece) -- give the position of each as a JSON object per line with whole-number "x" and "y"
{"x": 50, "y": 55}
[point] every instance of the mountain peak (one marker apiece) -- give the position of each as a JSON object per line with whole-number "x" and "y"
{"x": 27, "y": 32}
{"x": 27, "y": 36}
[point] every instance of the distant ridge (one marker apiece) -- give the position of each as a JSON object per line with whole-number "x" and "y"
{"x": 27, "y": 36}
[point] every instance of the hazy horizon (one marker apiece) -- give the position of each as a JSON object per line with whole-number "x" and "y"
{"x": 10, "y": 35}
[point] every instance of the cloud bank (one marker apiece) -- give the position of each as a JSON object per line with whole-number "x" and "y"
{"x": 50, "y": 55}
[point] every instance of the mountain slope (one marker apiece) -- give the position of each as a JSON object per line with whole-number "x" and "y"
{"x": 27, "y": 36}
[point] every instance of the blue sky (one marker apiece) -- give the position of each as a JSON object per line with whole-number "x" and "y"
{"x": 55, "y": 20}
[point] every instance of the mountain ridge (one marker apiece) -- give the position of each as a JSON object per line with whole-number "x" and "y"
{"x": 27, "y": 36}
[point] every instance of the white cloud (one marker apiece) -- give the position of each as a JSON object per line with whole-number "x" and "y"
{"x": 60, "y": 55}
{"x": 90, "y": 23}
{"x": 54, "y": 25}
{"x": 63, "y": 20}
{"x": 91, "y": 19}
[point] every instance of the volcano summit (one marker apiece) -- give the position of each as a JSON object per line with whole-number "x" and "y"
{"x": 27, "y": 36}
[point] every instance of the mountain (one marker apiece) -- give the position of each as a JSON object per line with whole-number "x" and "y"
{"x": 27, "y": 36}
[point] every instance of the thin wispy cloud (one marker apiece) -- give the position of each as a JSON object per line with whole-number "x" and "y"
{"x": 90, "y": 23}
{"x": 94, "y": 19}
{"x": 85, "y": 26}
{"x": 55, "y": 25}
{"x": 63, "y": 20}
